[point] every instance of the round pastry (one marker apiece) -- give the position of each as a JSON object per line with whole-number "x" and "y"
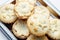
{"x": 54, "y": 31}
{"x": 23, "y": 10}
{"x": 7, "y": 14}
{"x": 38, "y": 25}
{"x": 20, "y": 29}
{"x": 32, "y": 37}
{"x": 42, "y": 11}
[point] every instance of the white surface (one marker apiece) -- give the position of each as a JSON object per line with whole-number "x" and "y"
{"x": 54, "y": 4}
{"x": 2, "y": 37}
{"x": 4, "y": 2}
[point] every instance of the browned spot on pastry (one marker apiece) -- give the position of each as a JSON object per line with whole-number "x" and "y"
{"x": 35, "y": 29}
{"x": 39, "y": 25}
{"x": 50, "y": 30}
{"x": 44, "y": 27}
{"x": 15, "y": 30}
{"x": 6, "y": 8}
{"x": 22, "y": 36}
{"x": 31, "y": 23}
{"x": 4, "y": 17}
{"x": 33, "y": 38}
{"x": 55, "y": 30}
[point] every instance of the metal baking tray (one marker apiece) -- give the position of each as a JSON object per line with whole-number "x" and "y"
{"x": 7, "y": 34}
